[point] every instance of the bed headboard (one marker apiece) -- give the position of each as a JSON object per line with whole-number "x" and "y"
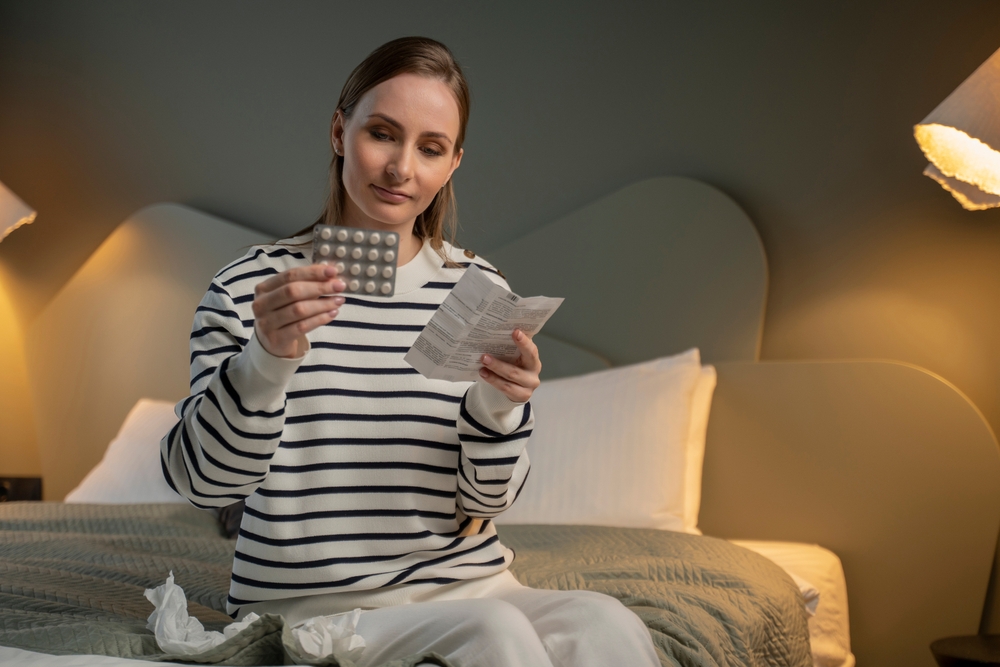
{"x": 886, "y": 464}
{"x": 696, "y": 259}
{"x": 118, "y": 331}
{"x": 691, "y": 267}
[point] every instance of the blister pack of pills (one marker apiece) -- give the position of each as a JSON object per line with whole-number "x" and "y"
{"x": 365, "y": 258}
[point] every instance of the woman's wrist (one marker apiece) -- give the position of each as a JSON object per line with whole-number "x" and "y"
{"x": 275, "y": 370}
{"x": 492, "y": 408}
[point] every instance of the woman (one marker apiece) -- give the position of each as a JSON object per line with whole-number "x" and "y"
{"x": 366, "y": 484}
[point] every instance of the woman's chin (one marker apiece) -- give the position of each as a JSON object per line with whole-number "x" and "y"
{"x": 389, "y": 217}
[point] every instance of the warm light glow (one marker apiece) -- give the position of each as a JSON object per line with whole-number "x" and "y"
{"x": 18, "y": 440}
{"x": 960, "y": 156}
{"x": 969, "y": 196}
{"x": 14, "y": 213}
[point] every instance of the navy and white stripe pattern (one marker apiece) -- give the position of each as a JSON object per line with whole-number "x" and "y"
{"x": 358, "y": 472}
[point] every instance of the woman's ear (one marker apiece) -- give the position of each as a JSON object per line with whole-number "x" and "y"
{"x": 457, "y": 160}
{"x": 337, "y": 132}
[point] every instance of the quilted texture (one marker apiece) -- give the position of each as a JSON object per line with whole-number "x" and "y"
{"x": 72, "y": 579}
{"x": 705, "y": 601}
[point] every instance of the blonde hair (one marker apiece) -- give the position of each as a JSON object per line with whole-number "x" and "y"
{"x": 406, "y": 55}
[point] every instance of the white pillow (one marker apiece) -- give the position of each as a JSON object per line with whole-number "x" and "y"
{"x": 701, "y": 406}
{"x": 130, "y": 471}
{"x": 610, "y": 448}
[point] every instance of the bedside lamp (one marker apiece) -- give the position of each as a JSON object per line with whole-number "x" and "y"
{"x": 961, "y": 138}
{"x": 14, "y": 213}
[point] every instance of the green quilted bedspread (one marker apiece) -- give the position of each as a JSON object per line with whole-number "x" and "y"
{"x": 72, "y": 579}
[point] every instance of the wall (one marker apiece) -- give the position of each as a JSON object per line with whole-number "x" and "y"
{"x": 800, "y": 111}
{"x": 18, "y": 443}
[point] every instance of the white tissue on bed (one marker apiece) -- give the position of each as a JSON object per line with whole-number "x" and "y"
{"x": 809, "y": 593}
{"x": 320, "y": 636}
{"x": 178, "y": 633}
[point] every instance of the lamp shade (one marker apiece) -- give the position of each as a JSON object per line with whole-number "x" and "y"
{"x": 13, "y": 212}
{"x": 961, "y": 138}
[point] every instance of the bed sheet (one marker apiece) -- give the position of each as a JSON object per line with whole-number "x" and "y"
{"x": 15, "y": 657}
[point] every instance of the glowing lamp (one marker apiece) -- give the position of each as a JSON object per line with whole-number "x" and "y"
{"x": 14, "y": 213}
{"x": 961, "y": 138}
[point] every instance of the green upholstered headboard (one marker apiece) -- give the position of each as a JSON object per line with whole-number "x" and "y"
{"x": 657, "y": 267}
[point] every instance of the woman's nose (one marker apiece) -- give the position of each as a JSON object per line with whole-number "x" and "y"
{"x": 401, "y": 165}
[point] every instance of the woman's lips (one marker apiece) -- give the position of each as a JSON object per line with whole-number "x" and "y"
{"x": 390, "y": 195}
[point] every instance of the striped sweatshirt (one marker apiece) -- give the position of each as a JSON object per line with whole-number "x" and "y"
{"x": 358, "y": 472}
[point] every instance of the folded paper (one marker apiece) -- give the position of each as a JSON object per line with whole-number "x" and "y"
{"x": 477, "y": 317}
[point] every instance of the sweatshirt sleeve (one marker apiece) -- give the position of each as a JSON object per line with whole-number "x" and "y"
{"x": 493, "y": 464}
{"x": 231, "y": 424}
{"x": 493, "y": 431}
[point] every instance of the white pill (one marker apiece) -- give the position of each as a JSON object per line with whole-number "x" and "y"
{"x": 359, "y": 236}
{"x": 389, "y": 255}
{"x": 324, "y": 249}
{"x": 340, "y": 251}
{"x": 369, "y": 286}
{"x": 387, "y": 272}
{"x": 341, "y": 235}
{"x": 355, "y": 269}
{"x": 356, "y": 253}
{"x": 323, "y": 261}
{"x": 371, "y": 270}
{"x": 386, "y": 288}
{"x": 325, "y": 233}
{"x": 372, "y": 255}
{"x": 374, "y": 238}
{"x": 340, "y": 267}
{"x": 353, "y": 285}
{"x": 390, "y": 240}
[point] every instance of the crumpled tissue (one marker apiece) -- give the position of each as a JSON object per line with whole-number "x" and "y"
{"x": 810, "y": 594}
{"x": 322, "y": 636}
{"x": 178, "y": 633}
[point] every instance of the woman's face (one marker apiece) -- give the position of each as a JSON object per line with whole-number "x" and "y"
{"x": 399, "y": 151}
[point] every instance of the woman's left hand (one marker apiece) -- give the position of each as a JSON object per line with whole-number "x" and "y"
{"x": 517, "y": 380}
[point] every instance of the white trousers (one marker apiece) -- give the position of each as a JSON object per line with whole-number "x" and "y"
{"x": 525, "y": 628}
{"x": 498, "y": 623}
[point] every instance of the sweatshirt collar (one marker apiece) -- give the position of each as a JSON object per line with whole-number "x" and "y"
{"x": 419, "y": 270}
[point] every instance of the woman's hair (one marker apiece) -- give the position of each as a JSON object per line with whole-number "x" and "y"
{"x": 406, "y": 55}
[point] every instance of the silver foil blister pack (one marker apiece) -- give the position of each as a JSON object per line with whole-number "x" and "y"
{"x": 365, "y": 258}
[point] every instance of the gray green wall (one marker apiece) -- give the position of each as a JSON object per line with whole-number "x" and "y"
{"x": 802, "y": 112}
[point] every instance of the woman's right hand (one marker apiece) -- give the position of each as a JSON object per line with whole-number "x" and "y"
{"x": 291, "y": 304}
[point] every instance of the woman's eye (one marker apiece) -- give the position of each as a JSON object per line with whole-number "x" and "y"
{"x": 381, "y": 136}
{"x": 431, "y": 150}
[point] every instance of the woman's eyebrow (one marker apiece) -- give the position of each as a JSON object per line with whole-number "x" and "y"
{"x": 396, "y": 124}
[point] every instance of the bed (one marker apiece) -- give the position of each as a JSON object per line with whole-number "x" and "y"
{"x": 884, "y": 464}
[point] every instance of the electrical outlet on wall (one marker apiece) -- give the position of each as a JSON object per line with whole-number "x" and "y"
{"x": 20, "y": 488}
